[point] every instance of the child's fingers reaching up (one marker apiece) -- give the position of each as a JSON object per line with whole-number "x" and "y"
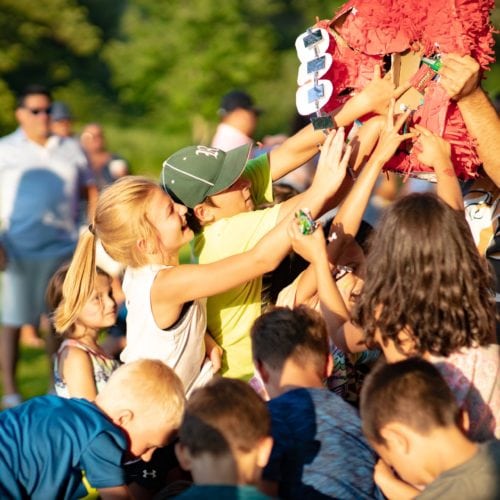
{"x": 390, "y": 138}
{"x": 377, "y": 94}
{"x": 308, "y": 246}
{"x": 434, "y": 150}
{"x": 333, "y": 161}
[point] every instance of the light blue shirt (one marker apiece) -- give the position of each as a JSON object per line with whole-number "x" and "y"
{"x": 39, "y": 193}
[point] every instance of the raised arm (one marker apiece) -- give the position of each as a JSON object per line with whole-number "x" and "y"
{"x": 302, "y": 146}
{"x": 345, "y": 226}
{"x": 349, "y": 216}
{"x": 460, "y": 77}
{"x": 331, "y": 154}
{"x": 313, "y": 249}
{"x": 435, "y": 152}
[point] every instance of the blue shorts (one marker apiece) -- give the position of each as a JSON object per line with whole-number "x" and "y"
{"x": 23, "y": 289}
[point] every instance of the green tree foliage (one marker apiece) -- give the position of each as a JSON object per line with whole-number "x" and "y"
{"x": 174, "y": 59}
{"x": 40, "y": 42}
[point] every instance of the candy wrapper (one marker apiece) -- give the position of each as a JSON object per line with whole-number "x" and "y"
{"x": 307, "y": 224}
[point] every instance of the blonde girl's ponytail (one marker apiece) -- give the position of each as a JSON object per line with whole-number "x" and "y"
{"x": 79, "y": 282}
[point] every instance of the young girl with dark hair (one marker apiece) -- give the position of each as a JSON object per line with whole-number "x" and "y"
{"x": 428, "y": 292}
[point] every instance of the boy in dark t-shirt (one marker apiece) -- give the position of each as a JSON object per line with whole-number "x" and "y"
{"x": 319, "y": 450}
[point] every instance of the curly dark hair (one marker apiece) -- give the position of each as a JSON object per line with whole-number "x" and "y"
{"x": 425, "y": 276}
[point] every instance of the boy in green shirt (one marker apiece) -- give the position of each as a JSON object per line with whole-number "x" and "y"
{"x": 413, "y": 421}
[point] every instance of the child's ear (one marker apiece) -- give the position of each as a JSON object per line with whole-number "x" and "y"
{"x": 124, "y": 418}
{"x": 464, "y": 421}
{"x": 145, "y": 246}
{"x": 183, "y": 456}
{"x": 203, "y": 213}
{"x": 396, "y": 437}
{"x": 265, "y": 447}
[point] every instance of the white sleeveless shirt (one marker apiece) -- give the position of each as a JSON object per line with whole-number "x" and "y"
{"x": 181, "y": 346}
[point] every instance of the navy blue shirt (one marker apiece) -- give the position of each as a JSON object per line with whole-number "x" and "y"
{"x": 319, "y": 450}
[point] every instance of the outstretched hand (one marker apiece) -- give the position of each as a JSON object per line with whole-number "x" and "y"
{"x": 390, "y": 138}
{"x": 309, "y": 246}
{"x": 333, "y": 161}
{"x": 459, "y": 75}
{"x": 435, "y": 151}
{"x": 377, "y": 95}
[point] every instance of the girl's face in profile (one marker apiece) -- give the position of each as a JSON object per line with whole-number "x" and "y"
{"x": 100, "y": 310}
{"x": 169, "y": 219}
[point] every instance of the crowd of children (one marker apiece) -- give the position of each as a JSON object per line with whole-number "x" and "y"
{"x": 375, "y": 375}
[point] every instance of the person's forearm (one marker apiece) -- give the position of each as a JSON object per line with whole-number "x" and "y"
{"x": 332, "y": 303}
{"x": 447, "y": 186}
{"x": 351, "y": 211}
{"x": 302, "y": 146}
{"x": 483, "y": 123}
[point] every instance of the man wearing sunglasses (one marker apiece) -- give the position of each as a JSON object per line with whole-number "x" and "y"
{"x": 41, "y": 179}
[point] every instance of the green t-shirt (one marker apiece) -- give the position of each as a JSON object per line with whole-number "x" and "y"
{"x": 230, "y": 314}
{"x": 476, "y": 479}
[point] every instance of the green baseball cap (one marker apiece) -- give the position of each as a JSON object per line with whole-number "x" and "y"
{"x": 193, "y": 173}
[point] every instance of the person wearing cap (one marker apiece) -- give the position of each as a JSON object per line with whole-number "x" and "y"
{"x": 223, "y": 198}
{"x": 238, "y": 121}
{"x": 61, "y": 122}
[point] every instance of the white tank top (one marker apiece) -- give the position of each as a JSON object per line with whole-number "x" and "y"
{"x": 181, "y": 346}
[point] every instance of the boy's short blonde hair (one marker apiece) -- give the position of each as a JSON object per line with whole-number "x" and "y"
{"x": 146, "y": 386}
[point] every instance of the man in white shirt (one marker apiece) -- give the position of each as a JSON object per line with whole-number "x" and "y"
{"x": 41, "y": 180}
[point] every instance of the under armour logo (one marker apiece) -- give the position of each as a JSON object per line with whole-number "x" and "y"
{"x": 204, "y": 150}
{"x": 146, "y": 473}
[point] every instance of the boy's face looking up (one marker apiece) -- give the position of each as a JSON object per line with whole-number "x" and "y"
{"x": 234, "y": 200}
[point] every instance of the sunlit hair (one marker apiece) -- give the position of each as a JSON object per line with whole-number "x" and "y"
{"x": 147, "y": 387}
{"x": 425, "y": 275}
{"x": 54, "y": 293}
{"x": 284, "y": 333}
{"x": 225, "y": 416}
{"x": 411, "y": 392}
{"x": 120, "y": 222}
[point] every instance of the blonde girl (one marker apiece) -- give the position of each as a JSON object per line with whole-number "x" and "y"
{"x": 81, "y": 367}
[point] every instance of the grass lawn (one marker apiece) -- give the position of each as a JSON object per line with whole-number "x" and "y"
{"x": 33, "y": 372}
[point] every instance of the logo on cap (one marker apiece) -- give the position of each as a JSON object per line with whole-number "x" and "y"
{"x": 204, "y": 150}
